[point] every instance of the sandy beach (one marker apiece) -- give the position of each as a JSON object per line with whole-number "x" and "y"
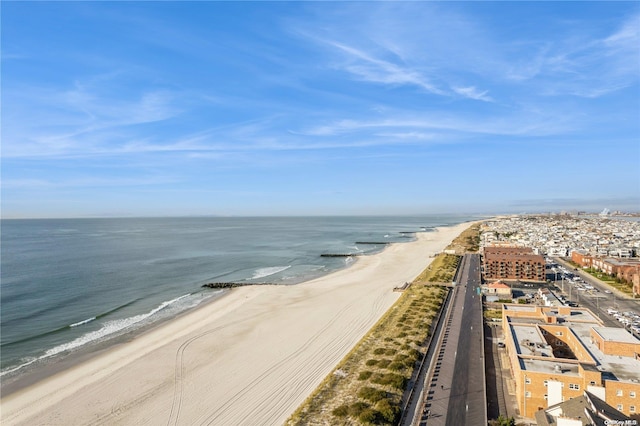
{"x": 250, "y": 358}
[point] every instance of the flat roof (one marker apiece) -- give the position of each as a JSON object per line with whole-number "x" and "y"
{"x": 518, "y": 307}
{"x": 543, "y": 366}
{"x": 581, "y": 321}
{"x": 530, "y": 341}
{"x": 616, "y": 334}
{"x": 620, "y": 367}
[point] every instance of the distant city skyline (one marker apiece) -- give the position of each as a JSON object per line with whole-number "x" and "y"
{"x": 319, "y": 108}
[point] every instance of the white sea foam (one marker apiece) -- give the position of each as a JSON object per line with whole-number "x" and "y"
{"x": 265, "y": 272}
{"x": 108, "y": 328}
{"x": 82, "y": 322}
{"x": 11, "y": 370}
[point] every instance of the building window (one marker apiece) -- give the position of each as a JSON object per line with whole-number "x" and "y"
{"x": 574, "y": 386}
{"x": 632, "y": 408}
{"x": 632, "y": 394}
{"x": 558, "y": 333}
{"x": 619, "y": 392}
{"x": 527, "y": 381}
{"x": 546, "y": 383}
{"x": 545, "y": 396}
{"x": 592, "y": 383}
{"x": 527, "y": 394}
{"x": 619, "y": 407}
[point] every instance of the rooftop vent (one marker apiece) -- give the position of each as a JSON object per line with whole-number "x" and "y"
{"x": 557, "y": 368}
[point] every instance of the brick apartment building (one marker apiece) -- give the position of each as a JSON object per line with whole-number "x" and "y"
{"x": 512, "y": 263}
{"x": 625, "y": 269}
{"x": 557, "y": 353}
{"x": 582, "y": 258}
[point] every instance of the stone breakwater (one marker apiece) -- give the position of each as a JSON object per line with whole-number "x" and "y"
{"x": 232, "y": 284}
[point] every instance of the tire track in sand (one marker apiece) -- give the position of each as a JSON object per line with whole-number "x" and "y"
{"x": 224, "y": 409}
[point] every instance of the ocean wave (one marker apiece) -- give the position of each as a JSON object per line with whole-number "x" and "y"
{"x": 265, "y": 272}
{"x": 82, "y": 322}
{"x": 66, "y": 327}
{"x": 107, "y": 329}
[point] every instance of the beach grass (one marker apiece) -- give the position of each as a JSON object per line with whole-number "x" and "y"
{"x": 368, "y": 384}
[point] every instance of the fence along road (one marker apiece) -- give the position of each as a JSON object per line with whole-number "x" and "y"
{"x": 455, "y": 391}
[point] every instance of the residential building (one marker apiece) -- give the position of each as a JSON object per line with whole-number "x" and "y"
{"x": 512, "y": 263}
{"x": 585, "y": 410}
{"x": 558, "y": 353}
{"x": 498, "y": 288}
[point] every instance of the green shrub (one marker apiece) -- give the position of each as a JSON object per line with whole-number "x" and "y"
{"x": 379, "y": 351}
{"x": 341, "y": 411}
{"x": 372, "y": 394}
{"x": 394, "y": 380}
{"x": 371, "y": 362}
{"x": 364, "y": 375}
{"x": 383, "y": 363}
{"x": 396, "y": 366}
{"x": 357, "y": 407}
{"x": 369, "y": 416}
{"x": 388, "y": 411}
{"x": 414, "y": 354}
{"x": 390, "y": 351}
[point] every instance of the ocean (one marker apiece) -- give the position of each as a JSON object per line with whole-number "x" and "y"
{"x": 73, "y": 284}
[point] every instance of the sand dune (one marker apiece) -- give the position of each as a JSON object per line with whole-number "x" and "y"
{"x": 250, "y": 358}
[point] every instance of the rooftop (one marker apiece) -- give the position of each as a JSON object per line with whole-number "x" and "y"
{"x": 498, "y": 284}
{"x": 616, "y": 334}
{"x": 530, "y": 343}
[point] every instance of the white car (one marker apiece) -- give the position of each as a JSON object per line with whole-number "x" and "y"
{"x": 608, "y": 291}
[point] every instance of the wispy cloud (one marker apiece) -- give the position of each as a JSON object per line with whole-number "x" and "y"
{"x": 586, "y": 66}
{"x": 473, "y": 93}
{"x": 85, "y": 182}
{"x": 369, "y": 68}
{"x": 408, "y": 122}
{"x": 93, "y": 115}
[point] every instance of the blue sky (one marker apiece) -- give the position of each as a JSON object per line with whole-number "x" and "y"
{"x": 285, "y": 108}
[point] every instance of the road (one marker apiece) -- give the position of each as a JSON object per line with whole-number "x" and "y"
{"x": 600, "y": 301}
{"x": 467, "y": 401}
{"x": 454, "y": 390}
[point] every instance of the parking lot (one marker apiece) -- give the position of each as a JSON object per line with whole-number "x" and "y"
{"x": 576, "y": 289}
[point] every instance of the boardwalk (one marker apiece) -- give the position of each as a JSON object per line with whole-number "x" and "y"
{"x": 454, "y": 391}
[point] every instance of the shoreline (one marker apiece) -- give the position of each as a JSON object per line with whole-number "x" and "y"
{"x": 49, "y": 368}
{"x": 254, "y": 353}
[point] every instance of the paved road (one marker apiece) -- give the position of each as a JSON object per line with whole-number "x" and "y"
{"x": 467, "y": 399}
{"x": 455, "y": 386}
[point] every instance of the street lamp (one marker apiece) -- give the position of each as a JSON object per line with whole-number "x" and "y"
{"x": 569, "y": 292}
{"x": 524, "y": 391}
